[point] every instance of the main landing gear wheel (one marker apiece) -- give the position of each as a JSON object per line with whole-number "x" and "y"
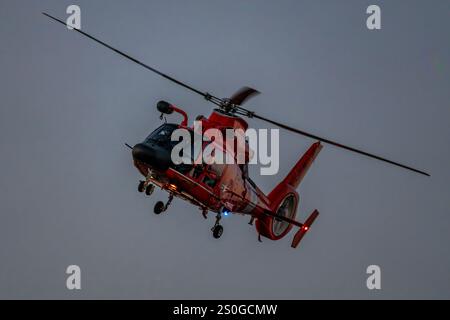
{"x": 149, "y": 190}
{"x": 141, "y": 186}
{"x": 217, "y": 231}
{"x": 159, "y": 207}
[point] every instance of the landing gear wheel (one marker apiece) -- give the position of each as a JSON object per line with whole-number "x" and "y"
{"x": 217, "y": 231}
{"x": 141, "y": 186}
{"x": 149, "y": 190}
{"x": 159, "y": 207}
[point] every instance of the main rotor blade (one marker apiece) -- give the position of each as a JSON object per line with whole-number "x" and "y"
{"x": 206, "y": 95}
{"x": 243, "y": 95}
{"x": 241, "y": 110}
{"x": 304, "y": 133}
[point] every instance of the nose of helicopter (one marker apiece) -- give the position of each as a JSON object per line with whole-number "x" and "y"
{"x": 153, "y": 155}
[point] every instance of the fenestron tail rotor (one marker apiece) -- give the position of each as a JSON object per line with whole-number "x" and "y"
{"x": 234, "y": 104}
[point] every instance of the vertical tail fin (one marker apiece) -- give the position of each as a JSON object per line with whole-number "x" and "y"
{"x": 298, "y": 172}
{"x": 296, "y": 175}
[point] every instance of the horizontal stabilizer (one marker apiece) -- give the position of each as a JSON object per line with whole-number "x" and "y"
{"x": 303, "y": 229}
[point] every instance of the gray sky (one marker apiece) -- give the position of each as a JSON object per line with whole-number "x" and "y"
{"x": 68, "y": 186}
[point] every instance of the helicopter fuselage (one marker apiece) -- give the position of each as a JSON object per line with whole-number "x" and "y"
{"x": 219, "y": 187}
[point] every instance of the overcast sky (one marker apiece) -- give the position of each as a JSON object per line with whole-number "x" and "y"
{"x": 68, "y": 188}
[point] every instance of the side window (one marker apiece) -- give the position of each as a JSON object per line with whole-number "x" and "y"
{"x": 210, "y": 180}
{"x": 213, "y": 174}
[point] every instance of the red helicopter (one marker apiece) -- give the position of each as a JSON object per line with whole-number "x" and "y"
{"x": 225, "y": 188}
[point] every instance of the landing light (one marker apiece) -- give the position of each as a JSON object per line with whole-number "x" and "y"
{"x": 172, "y": 187}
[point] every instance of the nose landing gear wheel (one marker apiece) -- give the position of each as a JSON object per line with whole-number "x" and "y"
{"x": 149, "y": 190}
{"x": 159, "y": 207}
{"x": 141, "y": 186}
{"x": 217, "y": 231}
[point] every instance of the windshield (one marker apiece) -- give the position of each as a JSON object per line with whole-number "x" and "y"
{"x": 163, "y": 133}
{"x": 162, "y": 136}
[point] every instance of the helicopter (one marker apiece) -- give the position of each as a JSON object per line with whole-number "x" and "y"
{"x": 224, "y": 189}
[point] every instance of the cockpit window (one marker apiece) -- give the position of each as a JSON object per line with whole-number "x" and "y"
{"x": 163, "y": 133}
